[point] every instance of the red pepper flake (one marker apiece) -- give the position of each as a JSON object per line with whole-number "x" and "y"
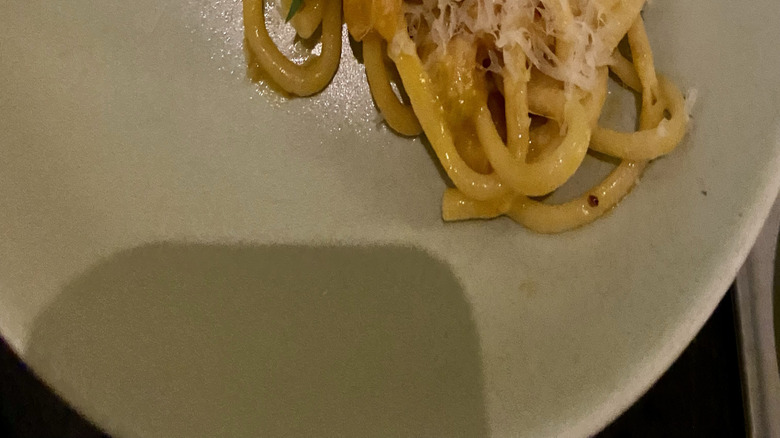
{"x": 593, "y": 201}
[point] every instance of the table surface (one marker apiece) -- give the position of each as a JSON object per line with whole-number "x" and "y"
{"x": 699, "y": 396}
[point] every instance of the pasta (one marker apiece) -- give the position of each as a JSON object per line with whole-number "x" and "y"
{"x": 508, "y": 92}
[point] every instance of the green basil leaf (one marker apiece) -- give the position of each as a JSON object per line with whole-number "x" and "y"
{"x": 295, "y": 6}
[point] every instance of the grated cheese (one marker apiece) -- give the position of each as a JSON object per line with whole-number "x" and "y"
{"x": 534, "y": 25}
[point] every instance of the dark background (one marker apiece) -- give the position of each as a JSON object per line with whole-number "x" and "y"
{"x": 699, "y": 396}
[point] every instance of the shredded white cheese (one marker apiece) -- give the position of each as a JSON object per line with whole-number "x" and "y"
{"x": 534, "y": 25}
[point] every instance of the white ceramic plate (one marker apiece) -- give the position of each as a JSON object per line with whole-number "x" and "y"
{"x": 183, "y": 254}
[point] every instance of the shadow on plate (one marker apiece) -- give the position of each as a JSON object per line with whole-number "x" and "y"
{"x": 186, "y": 340}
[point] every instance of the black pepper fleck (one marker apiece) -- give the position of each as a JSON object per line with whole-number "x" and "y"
{"x": 593, "y": 201}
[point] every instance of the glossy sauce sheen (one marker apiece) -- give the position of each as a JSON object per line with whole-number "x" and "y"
{"x": 345, "y": 103}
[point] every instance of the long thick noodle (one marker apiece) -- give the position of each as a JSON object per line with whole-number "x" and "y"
{"x": 508, "y": 92}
